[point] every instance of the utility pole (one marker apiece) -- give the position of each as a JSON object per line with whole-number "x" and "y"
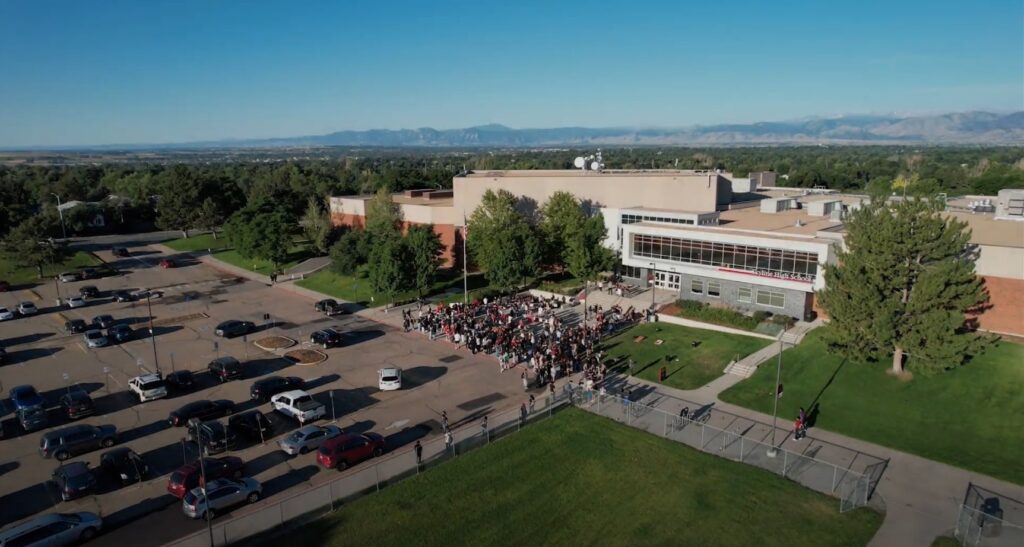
{"x": 775, "y": 392}
{"x": 202, "y": 474}
{"x": 152, "y": 335}
{"x": 465, "y": 263}
{"x": 60, "y": 212}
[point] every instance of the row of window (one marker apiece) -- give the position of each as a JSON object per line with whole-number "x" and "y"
{"x": 743, "y": 294}
{"x": 634, "y": 219}
{"x": 782, "y": 263}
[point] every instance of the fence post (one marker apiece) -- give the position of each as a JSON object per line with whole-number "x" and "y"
{"x": 702, "y": 428}
{"x": 665, "y": 432}
{"x": 376, "y": 470}
{"x": 741, "y": 449}
{"x": 835, "y": 471}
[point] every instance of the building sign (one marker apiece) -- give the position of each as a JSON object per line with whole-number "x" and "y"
{"x": 785, "y": 276}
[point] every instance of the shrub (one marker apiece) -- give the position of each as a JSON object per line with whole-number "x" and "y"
{"x": 700, "y": 311}
{"x": 760, "y": 316}
{"x": 784, "y": 320}
{"x": 349, "y": 252}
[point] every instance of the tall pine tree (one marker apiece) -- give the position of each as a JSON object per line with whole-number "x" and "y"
{"x": 902, "y": 288}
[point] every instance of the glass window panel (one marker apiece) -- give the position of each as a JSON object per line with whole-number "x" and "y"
{"x": 697, "y": 286}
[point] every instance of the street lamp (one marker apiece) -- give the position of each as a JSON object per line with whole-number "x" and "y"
{"x": 775, "y": 411}
{"x": 152, "y": 335}
{"x": 202, "y": 477}
{"x": 60, "y": 212}
{"x": 654, "y": 285}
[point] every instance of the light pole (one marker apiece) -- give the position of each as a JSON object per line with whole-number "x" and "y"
{"x": 60, "y": 212}
{"x": 202, "y": 476}
{"x": 775, "y": 411}
{"x": 654, "y": 284}
{"x": 152, "y": 335}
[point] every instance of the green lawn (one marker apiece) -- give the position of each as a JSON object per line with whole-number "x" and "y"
{"x": 945, "y": 541}
{"x": 357, "y": 289}
{"x": 579, "y": 479}
{"x": 222, "y": 251}
{"x": 687, "y": 367}
{"x": 971, "y": 417}
{"x": 19, "y": 276}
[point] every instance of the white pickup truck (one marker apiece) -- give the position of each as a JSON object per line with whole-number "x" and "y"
{"x": 148, "y": 387}
{"x": 299, "y": 405}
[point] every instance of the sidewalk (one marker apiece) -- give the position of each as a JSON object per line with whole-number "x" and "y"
{"x": 921, "y": 498}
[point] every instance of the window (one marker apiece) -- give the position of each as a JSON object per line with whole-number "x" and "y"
{"x": 778, "y": 263}
{"x": 714, "y": 289}
{"x": 743, "y": 294}
{"x": 697, "y": 286}
{"x": 771, "y": 298}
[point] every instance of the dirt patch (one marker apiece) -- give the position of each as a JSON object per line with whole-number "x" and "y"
{"x": 306, "y": 356}
{"x": 670, "y": 309}
{"x": 271, "y": 343}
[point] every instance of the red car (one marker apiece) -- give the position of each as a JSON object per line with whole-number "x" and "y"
{"x": 167, "y": 263}
{"x": 187, "y": 477}
{"x": 341, "y": 452}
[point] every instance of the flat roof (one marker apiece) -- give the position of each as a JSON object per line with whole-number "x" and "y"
{"x": 739, "y": 232}
{"x": 403, "y": 199}
{"x": 783, "y": 222}
{"x": 582, "y": 173}
{"x": 986, "y": 230}
{"x": 660, "y": 210}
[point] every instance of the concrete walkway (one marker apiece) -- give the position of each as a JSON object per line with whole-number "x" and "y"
{"x": 921, "y": 498}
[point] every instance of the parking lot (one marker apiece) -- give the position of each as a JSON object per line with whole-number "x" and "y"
{"x": 195, "y": 298}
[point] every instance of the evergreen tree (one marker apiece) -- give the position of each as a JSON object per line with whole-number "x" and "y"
{"x": 902, "y": 288}
{"x": 262, "y": 230}
{"x": 424, "y": 248}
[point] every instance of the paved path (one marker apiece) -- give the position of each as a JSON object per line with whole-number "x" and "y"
{"x": 309, "y": 266}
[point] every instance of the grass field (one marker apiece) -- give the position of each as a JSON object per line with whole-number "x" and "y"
{"x": 20, "y": 276}
{"x": 971, "y": 417}
{"x": 579, "y": 479}
{"x": 687, "y": 367}
{"x": 222, "y": 251}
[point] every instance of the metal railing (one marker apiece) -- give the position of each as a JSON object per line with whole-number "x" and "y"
{"x": 990, "y": 519}
{"x": 852, "y": 488}
{"x": 370, "y": 477}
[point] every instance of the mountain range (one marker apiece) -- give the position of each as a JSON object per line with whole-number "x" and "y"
{"x": 954, "y": 128}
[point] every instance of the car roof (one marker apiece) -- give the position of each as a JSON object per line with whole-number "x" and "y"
{"x": 224, "y": 360}
{"x": 77, "y": 395}
{"x": 31, "y": 524}
{"x": 391, "y": 370}
{"x": 94, "y": 331}
{"x": 149, "y": 377}
{"x": 293, "y": 393}
{"x": 23, "y": 389}
{"x": 117, "y": 452}
{"x": 76, "y": 467}
{"x": 309, "y": 429}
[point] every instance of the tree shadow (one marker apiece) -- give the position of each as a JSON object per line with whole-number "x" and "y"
{"x": 361, "y": 426}
{"x": 138, "y": 510}
{"x": 8, "y": 467}
{"x": 407, "y": 435}
{"x": 27, "y": 501}
{"x": 417, "y": 376}
{"x": 26, "y": 355}
{"x": 266, "y": 461}
{"x": 136, "y": 433}
{"x": 115, "y": 402}
{"x": 320, "y": 382}
{"x": 27, "y": 339}
{"x": 358, "y": 336}
{"x": 53, "y": 396}
{"x": 346, "y": 400}
{"x": 262, "y": 367}
{"x": 292, "y": 478}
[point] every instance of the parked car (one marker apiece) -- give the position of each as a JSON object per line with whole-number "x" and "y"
{"x": 89, "y": 273}
{"x": 68, "y": 277}
{"x": 122, "y": 296}
{"x": 53, "y": 530}
{"x": 5, "y": 314}
{"x": 76, "y": 439}
{"x": 88, "y": 291}
{"x": 329, "y": 306}
{"x": 27, "y": 308}
{"x": 299, "y": 405}
{"x": 220, "y": 495}
{"x": 148, "y": 387}
{"x": 75, "y": 302}
{"x": 25, "y": 396}
{"x": 167, "y": 263}
{"x": 252, "y": 425}
{"x": 180, "y": 381}
{"x": 33, "y": 418}
{"x": 104, "y": 321}
{"x": 307, "y": 439}
{"x": 76, "y": 326}
{"x": 211, "y": 437}
{"x": 140, "y": 294}
{"x": 225, "y": 368}
{"x": 120, "y": 333}
{"x": 233, "y": 328}
{"x": 347, "y": 450}
{"x": 94, "y": 338}
{"x": 77, "y": 404}
{"x": 74, "y": 480}
{"x": 188, "y": 476}
{"x": 389, "y": 379}
{"x": 326, "y": 338}
{"x": 265, "y": 388}
{"x": 124, "y": 465}
{"x": 120, "y": 252}
{"x": 204, "y": 410}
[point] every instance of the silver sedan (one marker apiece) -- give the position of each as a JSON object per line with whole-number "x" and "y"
{"x": 308, "y": 438}
{"x": 220, "y": 495}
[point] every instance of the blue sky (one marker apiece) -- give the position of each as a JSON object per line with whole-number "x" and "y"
{"x": 149, "y": 71}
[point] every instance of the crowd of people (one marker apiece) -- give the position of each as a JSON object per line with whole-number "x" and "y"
{"x": 526, "y": 329}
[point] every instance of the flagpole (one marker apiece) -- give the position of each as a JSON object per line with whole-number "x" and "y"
{"x": 775, "y": 411}
{"x": 465, "y": 264}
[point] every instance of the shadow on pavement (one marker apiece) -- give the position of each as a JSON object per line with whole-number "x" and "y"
{"x": 359, "y": 336}
{"x": 136, "y": 433}
{"x": 27, "y": 501}
{"x": 406, "y": 436}
{"x": 263, "y": 367}
{"x": 27, "y": 339}
{"x": 25, "y": 355}
{"x": 266, "y": 461}
{"x": 346, "y": 400}
{"x": 417, "y": 376}
{"x": 320, "y": 382}
{"x": 283, "y": 482}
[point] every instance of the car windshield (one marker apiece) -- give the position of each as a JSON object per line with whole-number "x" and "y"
{"x": 390, "y": 378}
{"x": 70, "y": 517}
{"x": 295, "y": 437}
{"x": 155, "y": 384}
{"x": 33, "y": 412}
{"x": 93, "y": 335}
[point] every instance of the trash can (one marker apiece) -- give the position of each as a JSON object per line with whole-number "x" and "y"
{"x": 662, "y": 374}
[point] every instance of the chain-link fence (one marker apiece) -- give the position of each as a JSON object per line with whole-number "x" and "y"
{"x": 852, "y": 488}
{"x": 371, "y": 476}
{"x": 990, "y": 519}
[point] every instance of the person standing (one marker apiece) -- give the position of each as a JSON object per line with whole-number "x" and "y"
{"x": 444, "y": 420}
{"x": 522, "y": 414}
{"x": 526, "y": 381}
{"x": 797, "y": 429}
{"x": 803, "y": 417}
{"x": 448, "y": 441}
{"x": 483, "y": 427}
{"x": 419, "y": 452}
{"x": 533, "y": 403}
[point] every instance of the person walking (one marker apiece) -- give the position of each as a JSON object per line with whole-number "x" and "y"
{"x": 483, "y": 427}
{"x": 803, "y": 417}
{"x": 448, "y": 441}
{"x": 526, "y": 381}
{"x": 419, "y": 452}
{"x": 533, "y": 403}
{"x": 444, "y": 420}
{"x": 522, "y": 414}
{"x": 797, "y": 429}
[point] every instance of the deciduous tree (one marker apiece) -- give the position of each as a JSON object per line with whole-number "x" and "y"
{"x": 424, "y": 248}
{"x": 31, "y": 243}
{"x": 502, "y": 242}
{"x": 316, "y": 224}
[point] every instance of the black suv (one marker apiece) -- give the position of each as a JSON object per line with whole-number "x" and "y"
{"x": 77, "y": 439}
{"x": 76, "y": 326}
{"x": 124, "y": 465}
{"x": 263, "y": 389}
{"x": 123, "y": 296}
{"x": 233, "y": 328}
{"x": 253, "y": 425}
{"x": 120, "y": 252}
{"x": 327, "y": 338}
{"x": 77, "y": 404}
{"x": 104, "y": 321}
{"x": 225, "y": 368}
{"x": 74, "y": 480}
{"x": 211, "y": 437}
{"x": 89, "y": 291}
{"x": 200, "y": 409}
{"x": 329, "y": 306}
{"x": 180, "y": 380}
